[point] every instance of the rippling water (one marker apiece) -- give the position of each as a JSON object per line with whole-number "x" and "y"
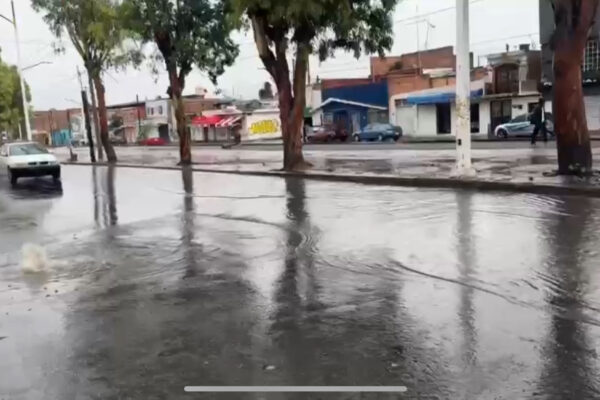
{"x": 161, "y": 279}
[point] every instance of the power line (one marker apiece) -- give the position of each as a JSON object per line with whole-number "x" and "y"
{"x": 441, "y": 10}
{"x": 505, "y": 38}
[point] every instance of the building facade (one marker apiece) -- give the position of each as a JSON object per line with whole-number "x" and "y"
{"x": 350, "y": 106}
{"x": 506, "y": 88}
{"x": 125, "y": 121}
{"x": 55, "y": 124}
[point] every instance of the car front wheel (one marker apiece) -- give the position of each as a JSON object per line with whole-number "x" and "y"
{"x": 356, "y": 138}
{"x": 502, "y": 133}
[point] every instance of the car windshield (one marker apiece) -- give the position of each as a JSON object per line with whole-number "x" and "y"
{"x": 26, "y": 149}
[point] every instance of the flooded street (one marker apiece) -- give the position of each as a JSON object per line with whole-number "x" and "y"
{"x": 156, "y": 280}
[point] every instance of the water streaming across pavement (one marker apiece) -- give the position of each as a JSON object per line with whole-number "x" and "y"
{"x": 161, "y": 279}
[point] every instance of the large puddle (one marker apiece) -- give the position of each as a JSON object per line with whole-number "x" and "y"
{"x": 161, "y": 279}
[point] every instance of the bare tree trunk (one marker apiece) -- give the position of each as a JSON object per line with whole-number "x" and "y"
{"x": 574, "y": 20}
{"x": 108, "y": 147}
{"x": 291, "y": 99}
{"x": 293, "y": 119}
{"x": 185, "y": 151}
{"x": 95, "y": 116}
{"x": 292, "y": 148}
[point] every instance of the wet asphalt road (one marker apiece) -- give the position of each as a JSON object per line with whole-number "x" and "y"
{"x": 161, "y": 279}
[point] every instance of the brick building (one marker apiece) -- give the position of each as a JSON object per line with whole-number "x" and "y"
{"x": 124, "y": 121}
{"x": 442, "y": 57}
{"x": 53, "y": 120}
{"x": 49, "y": 122}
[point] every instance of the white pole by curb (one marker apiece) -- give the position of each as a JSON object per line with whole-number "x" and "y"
{"x": 463, "y": 90}
{"x": 20, "y": 67}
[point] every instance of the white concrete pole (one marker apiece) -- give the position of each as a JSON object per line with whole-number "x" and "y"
{"x": 19, "y": 65}
{"x": 463, "y": 90}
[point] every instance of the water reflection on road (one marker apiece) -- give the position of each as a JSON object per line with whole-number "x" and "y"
{"x": 161, "y": 279}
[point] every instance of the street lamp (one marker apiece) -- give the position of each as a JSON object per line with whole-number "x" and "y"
{"x": 36, "y": 64}
{"x": 13, "y": 22}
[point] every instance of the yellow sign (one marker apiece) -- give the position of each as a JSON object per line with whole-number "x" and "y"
{"x": 264, "y": 127}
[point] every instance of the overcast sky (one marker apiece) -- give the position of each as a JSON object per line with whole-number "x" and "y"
{"x": 494, "y": 23}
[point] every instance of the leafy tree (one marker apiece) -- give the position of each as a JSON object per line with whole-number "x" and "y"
{"x": 307, "y": 27}
{"x": 573, "y": 20}
{"x": 187, "y": 33}
{"x": 95, "y": 30}
{"x": 11, "y": 104}
{"x": 266, "y": 93}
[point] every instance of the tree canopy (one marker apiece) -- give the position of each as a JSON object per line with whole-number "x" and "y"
{"x": 353, "y": 25}
{"x": 11, "y": 104}
{"x": 93, "y": 27}
{"x": 188, "y": 34}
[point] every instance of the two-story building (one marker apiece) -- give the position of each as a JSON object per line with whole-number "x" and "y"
{"x": 158, "y": 122}
{"x": 125, "y": 121}
{"x": 590, "y": 68}
{"x": 504, "y": 89}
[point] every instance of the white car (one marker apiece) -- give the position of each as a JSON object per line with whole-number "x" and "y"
{"x": 21, "y": 159}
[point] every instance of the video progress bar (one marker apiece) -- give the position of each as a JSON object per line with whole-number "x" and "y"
{"x": 296, "y": 389}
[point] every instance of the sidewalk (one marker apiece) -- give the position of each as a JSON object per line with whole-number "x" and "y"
{"x": 523, "y": 169}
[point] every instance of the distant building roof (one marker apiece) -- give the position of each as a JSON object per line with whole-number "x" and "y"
{"x": 348, "y": 102}
{"x": 126, "y": 105}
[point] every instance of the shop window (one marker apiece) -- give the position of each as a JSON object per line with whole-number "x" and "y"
{"x": 591, "y": 56}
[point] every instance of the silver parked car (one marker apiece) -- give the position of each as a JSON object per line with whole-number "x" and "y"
{"x": 521, "y": 126}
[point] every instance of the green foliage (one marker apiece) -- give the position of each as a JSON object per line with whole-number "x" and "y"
{"x": 94, "y": 27}
{"x": 325, "y": 25}
{"x": 187, "y": 33}
{"x": 11, "y": 105}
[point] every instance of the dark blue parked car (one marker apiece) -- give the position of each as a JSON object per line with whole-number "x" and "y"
{"x": 378, "y": 131}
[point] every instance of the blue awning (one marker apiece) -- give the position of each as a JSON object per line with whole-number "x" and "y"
{"x": 440, "y": 97}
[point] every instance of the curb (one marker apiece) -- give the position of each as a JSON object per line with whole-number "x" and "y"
{"x": 422, "y": 182}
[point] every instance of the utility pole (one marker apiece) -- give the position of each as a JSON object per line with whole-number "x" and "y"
{"x": 463, "y": 90}
{"x": 69, "y": 122}
{"x": 137, "y": 108}
{"x": 418, "y": 43}
{"x": 86, "y": 118}
{"x": 19, "y": 66}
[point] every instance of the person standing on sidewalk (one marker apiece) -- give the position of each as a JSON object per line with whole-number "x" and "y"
{"x": 538, "y": 119}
